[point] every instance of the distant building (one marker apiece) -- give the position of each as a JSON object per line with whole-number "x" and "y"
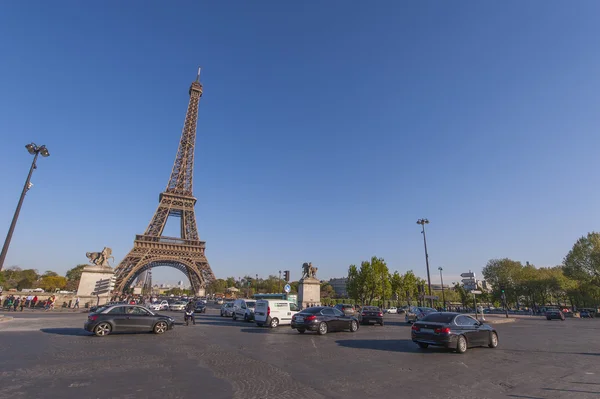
{"x": 339, "y": 286}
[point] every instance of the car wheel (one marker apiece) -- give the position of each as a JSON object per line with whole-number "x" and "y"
{"x": 423, "y": 345}
{"x": 102, "y": 329}
{"x": 160, "y": 327}
{"x": 323, "y": 328}
{"x": 406, "y": 319}
{"x": 246, "y": 318}
{"x": 353, "y": 326}
{"x": 381, "y": 324}
{"x": 274, "y": 322}
{"x": 461, "y": 344}
{"x": 547, "y": 318}
{"x": 493, "y": 340}
{"x": 234, "y": 317}
{"x": 301, "y": 330}
{"x": 222, "y": 315}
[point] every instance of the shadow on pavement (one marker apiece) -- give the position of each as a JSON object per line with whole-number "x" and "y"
{"x": 67, "y": 331}
{"x": 397, "y": 323}
{"x": 388, "y": 345}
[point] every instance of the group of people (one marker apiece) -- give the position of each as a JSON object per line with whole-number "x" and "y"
{"x": 11, "y": 302}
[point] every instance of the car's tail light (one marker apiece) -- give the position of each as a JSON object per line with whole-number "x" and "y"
{"x": 380, "y": 314}
{"x": 363, "y": 313}
{"x": 93, "y": 318}
{"x": 415, "y": 327}
{"x": 310, "y": 318}
{"x": 445, "y": 330}
{"x": 268, "y": 310}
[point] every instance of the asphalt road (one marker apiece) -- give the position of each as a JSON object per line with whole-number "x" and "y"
{"x": 45, "y": 355}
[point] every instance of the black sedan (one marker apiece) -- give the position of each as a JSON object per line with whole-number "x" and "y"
{"x": 323, "y": 320}
{"x": 200, "y": 307}
{"x": 126, "y": 318}
{"x": 371, "y": 314}
{"x": 555, "y": 314}
{"x": 453, "y": 330}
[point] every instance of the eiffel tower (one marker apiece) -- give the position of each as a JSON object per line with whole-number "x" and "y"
{"x": 152, "y": 249}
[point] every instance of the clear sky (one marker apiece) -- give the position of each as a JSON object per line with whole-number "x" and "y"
{"x": 325, "y": 131}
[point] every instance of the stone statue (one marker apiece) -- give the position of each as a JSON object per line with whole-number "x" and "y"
{"x": 100, "y": 258}
{"x": 309, "y": 271}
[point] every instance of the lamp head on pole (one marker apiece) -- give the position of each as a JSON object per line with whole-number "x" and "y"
{"x": 422, "y": 222}
{"x": 31, "y": 148}
{"x": 440, "y": 268}
{"x": 44, "y": 151}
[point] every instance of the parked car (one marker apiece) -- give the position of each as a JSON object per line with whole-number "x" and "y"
{"x": 323, "y": 320}
{"x": 348, "y": 310}
{"x": 227, "y": 309}
{"x": 273, "y": 312}
{"x": 371, "y": 314}
{"x": 178, "y": 306}
{"x": 244, "y": 309}
{"x": 392, "y": 310}
{"x": 587, "y": 313}
{"x": 552, "y": 314}
{"x": 417, "y": 313}
{"x": 200, "y": 307}
{"x": 454, "y": 331}
{"x": 127, "y": 318}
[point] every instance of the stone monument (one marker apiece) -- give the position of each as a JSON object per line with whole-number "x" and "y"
{"x": 309, "y": 287}
{"x": 98, "y": 270}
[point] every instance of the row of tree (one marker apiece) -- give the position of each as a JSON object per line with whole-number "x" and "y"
{"x": 15, "y": 277}
{"x": 574, "y": 283}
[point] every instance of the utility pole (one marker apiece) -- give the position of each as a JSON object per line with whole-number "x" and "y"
{"x": 279, "y": 281}
{"x": 443, "y": 296}
{"x": 423, "y": 222}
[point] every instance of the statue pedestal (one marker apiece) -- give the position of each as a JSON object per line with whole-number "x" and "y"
{"x": 309, "y": 292}
{"x": 87, "y": 284}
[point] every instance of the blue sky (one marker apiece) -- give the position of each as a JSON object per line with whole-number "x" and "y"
{"x": 325, "y": 130}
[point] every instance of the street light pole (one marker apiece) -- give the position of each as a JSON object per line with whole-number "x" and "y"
{"x": 35, "y": 151}
{"x": 423, "y": 222}
{"x": 279, "y": 281}
{"x": 443, "y": 296}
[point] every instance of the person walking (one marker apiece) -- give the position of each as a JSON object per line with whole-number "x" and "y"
{"x": 16, "y": 303}
{"x": 34, "y": 302}
{"x": 76, "y": 303}
{"x": 22, "y": 303}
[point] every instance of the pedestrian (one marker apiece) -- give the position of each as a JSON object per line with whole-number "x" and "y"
{"x": 22, "y": 303}
{"x": 76, "y": 303}
{"x": 16, "y": 303}
{"x": 33, "y": 303}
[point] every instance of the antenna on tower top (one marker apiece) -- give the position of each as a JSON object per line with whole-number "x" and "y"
{"x": 198, "y": 76}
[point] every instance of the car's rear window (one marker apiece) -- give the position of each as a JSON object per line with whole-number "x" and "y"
{"x": 438, "y": 318}
{"x": 251, "y": 304}
{"x": 371, "y": 309}
{"x": 312, "y": 310}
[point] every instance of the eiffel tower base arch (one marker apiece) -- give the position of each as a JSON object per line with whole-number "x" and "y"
{"x": 185, "y": 255}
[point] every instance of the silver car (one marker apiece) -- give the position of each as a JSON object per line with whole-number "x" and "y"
{"x": 227, "y": 309}
{"x": 417, "y": 313}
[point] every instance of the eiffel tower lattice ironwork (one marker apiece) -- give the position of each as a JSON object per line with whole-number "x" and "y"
{"x": 152, "y": 249}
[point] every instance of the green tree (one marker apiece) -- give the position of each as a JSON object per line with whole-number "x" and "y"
{"x": 462, "y": 293}
{"x": 230, "y": 282}
{"x": 49, "y": 273}
{"x": 217, "y": 286}
{"x": 327, "y": 290}
{"x": 504, "y": 273}
{"x": 73, "y": 277}
{"x": 582, "y": 263}
{"x": 410, "y": 284}
{"x": 51, "y": 283}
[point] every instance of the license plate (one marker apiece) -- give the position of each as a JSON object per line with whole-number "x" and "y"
{"x": 426, "y": 330}
{"x": 299, "y": 319}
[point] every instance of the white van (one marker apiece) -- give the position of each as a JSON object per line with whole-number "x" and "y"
{"x": 273, "y": 312}
{"x": 244, "y": 309}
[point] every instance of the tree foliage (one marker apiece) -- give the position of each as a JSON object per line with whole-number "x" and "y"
{"x": 582, "y": 263}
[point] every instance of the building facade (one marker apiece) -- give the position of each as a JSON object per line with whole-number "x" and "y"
{"x": 339, "y": 286}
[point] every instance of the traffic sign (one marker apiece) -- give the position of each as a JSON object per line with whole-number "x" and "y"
{"x": 470, "y": 274}
{"x": 287, "y": 288}
{"x": 470, "y": 287}
{"x": 477, "y": 292}
{"x": 468, "y": 281}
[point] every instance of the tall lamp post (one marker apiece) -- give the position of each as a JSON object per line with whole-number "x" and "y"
{"x": 35, "y": 151}
{"x": 423, "y": 222}
{"x": 280, "y": 281}
{"x": 443, "y": 296}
